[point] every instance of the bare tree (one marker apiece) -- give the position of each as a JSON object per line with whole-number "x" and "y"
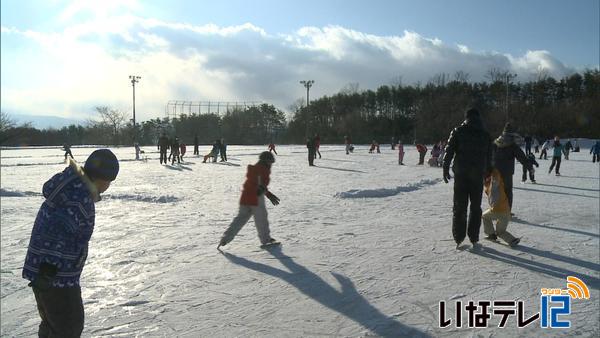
{"x": 6, "y": 122}
{"x": 497, "y": 75}
{"x": 461, "y": 76}
{"x": 112, "y": 117}
{"x": 350, "y": 88}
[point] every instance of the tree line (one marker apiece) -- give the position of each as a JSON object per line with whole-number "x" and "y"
{"x": 542, "y": 107}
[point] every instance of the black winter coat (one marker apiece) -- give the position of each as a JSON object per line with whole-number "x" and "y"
{"x": 505, "y": 151}
{"x": 470, "y": 145}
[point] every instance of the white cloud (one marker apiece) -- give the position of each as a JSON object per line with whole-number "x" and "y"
{"x": 89, "y": 63}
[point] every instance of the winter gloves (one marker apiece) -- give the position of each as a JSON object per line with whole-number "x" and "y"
{"x": 274, "y": 199}
{"x": 447, "y": 175}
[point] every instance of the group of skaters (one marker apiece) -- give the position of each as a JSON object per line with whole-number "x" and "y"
{"x": 219, "y": 147}
{"x": 478, "y": 163}
{"x": 178, "y": 150}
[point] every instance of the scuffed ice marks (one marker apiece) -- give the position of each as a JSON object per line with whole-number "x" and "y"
{"x": 142, "y": 198}
{"x": 122, "y": 197}
{"x": 386, "y": 192}
{"x": 17, "y": 193}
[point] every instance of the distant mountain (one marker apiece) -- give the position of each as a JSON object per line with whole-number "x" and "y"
{"x": 45, "y": 122}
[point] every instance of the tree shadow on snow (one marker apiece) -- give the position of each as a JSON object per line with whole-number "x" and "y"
{"x": 554, "y": 192}
{"x": 347, "y": 302}
{"x": 540, "y": 267}
{"x": 340, "y": 169}
{"x": 565, "y": 186}
{"x": 579, "y": 232}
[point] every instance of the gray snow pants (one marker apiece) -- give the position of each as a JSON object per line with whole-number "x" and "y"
{"x": 260, "y": 220}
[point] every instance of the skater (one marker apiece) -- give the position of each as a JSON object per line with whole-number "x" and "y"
{"x": 223, "y": 150}
{"x": 556, "y": 156}
{"x": 567, "y": 148}
{"x": 317, "y": 145}
{"x": 217, "y": 150}
{"x": 196, "y": 144}
{"x": 163, "y": 145}
{"x": 175, "y": 151}
{"x": 374, "y": 146}
{"x": 252, "y": 201}
{"x": 182, "y": 150}
{"x": 544, "y": 152}
{"x": 499, "y": 210}
{"x": 137, "y": 150}
{"x": 531, "y": 170}
{"x": 470, "y": 146}
{"x": 67, "y": 148}
{"x": 310, "y": 144}
{"x": 393, "y": 143}
{"x": 505, "y": 150}
{"x": 528, "y": 141}
{"x": 536, "y": 145}
{"x": 272, "y": 148}
{"x": 435, "y": 154}
{"x": 58, "y": 246}
{"x": 400, "y": 153}
{"x": 595, "y": 151}
{"x": 213, "y": 151}
{"x": 348, "y": 144}
{"x": 576, "y": 148}
{"x": 422, "y": 149}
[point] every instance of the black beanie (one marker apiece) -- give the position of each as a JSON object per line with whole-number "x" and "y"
{"x": 472, "y": 113}
{"x": 508, "y": 128}
{"x": 102, "y": 164}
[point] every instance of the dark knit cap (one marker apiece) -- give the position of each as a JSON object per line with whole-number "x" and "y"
{"x": 508, "y": 128}
{"x": 102, "y": 164}
{"x": 472, "y": 113}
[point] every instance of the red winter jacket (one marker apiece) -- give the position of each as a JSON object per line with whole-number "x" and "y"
{"x": 255, "y": 173}
{"x": 421, "y": 148}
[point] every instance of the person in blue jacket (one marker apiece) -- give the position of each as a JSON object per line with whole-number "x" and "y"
{"x": 595, "y": 151}
{"x": 58, "y": 246}
{"x": 556, "y": 156}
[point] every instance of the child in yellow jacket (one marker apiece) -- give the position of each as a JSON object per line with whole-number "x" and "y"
{"x": 499, "y": 210}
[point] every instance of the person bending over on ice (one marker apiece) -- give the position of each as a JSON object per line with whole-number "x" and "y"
{"x": 58, "y": 246}
{"x": 272, "y": 148}
{"x": 499, "y": 210}
{"x": 252, "y": 202}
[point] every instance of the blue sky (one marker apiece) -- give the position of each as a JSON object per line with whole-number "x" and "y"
{"x": 65, "y": 57}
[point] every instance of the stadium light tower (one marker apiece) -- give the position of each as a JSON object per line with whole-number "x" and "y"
{"x": 134, "y": 79}
{"x": 509, "y": 76}
{"x": 307, "y": 84}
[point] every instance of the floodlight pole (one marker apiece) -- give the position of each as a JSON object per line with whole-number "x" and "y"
{"x": 509, "y": 76}
{"x": 134, "y": 79}
{"x": 307, "y": 84}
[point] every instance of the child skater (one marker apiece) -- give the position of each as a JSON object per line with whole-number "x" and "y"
{"x": 531, "y": 171}
{"x": 252, "y": 202}
{"x": 400, "y": 153}
{"x": 499, "y": 210}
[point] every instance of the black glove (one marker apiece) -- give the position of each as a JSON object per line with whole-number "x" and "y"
{"x": 447, "y": 175}
{"x": 45, "y": 277}
{"x": 274, "y": 199}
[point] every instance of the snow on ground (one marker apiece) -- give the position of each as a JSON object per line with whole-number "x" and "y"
{"x": 367, "y": 248}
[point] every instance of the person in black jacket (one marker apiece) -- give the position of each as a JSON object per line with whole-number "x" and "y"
{"x": 470, "y": 145}
{"x": 163, "y": 145}
{"x": 312, "y": 150}
{"x": 505, "y": 150}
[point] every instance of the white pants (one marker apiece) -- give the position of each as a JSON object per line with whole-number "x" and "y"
{"x": 260, "y": 220}
{"x": 488, "y": 227}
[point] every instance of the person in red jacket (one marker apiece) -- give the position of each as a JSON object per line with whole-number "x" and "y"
{"x": 272, "y": 148}
{"x": 252, "y": 201}
{"x": 422, "y": 149}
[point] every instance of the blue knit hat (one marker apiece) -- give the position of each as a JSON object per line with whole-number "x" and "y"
{"x": 102, "y": 164}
